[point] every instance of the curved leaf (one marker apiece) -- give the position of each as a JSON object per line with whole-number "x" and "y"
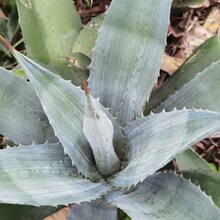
{"x": 64, "y": 105}
{"x": 201, "y": 92}
{"x": 22, "y": 118}
{"x": 49, "y": 29}
{"x": 165, "y": 196}
{"x": 43, "y": 175}
{"x": 50, "y": 39}
{"x": 201, "y": 59}
{"x": 128, "y": 54}
{"x": 207, "y": 180}
{"x": 86, "y": 39}
{"x": 95, "y": 210}
{"x": 190, "y": 160}
{"x": 193, "y": 167}
{"x": 63, "y": 101}
{"x": 155, "y": 140}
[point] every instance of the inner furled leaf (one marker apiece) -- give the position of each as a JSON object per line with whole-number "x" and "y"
{"x": 98, "y": 130}
{"x": 42, "y": 175}
{"x": 202, "y": 58}
{"x": 95, "y": 210}
{"x": 165, "y": 196}
{"x": 128, "y": 54}
{"x": 201, "y": 92}
{"x": 22, "y": 118}
{"x": 154, "y": 140}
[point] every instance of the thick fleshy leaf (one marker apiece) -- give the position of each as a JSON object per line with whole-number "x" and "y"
{"x": 24, "y": 212}
{"x": 201, "y": 59}
{"x": 43, "y": 175}
{"x": 64, "y": 105}
{"x": 86, "y": 39}
{"x": 193, "y": 167}
{"x": 49, "y": 29}
{"x": 190, "y": 160}
{"x": 85, "y": 42}
{"x": 128, "y": 54}
{"x": 201, "y": 92}
{"x": 22, "y": 118}
{"x": 98, "y": 130}
{"x": 95, "y": 210}
{"x": 209, "y": 182}
{"x": 165, "y": 196}
{"x": 155, "y": 140}
{"x": 50, "y": 39}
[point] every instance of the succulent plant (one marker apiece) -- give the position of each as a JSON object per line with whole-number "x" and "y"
{"x": 95, "y": 148}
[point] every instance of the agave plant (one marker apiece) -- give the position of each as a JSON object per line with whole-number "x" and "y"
{"x": 95, "y": 148}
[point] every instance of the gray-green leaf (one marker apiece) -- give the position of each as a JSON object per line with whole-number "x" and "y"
{"x": 43, "y": 175}
{"x": 201, "y": 92}
{"x": 154, "y": 140}
{"x": 95, "y": 210}
{"x": 64, "y": 105}
{"x": 128, "y": 54}
{"x": 165, "y": 196}
{"x": 201, "y": 59}
{"x": 22, "y": 118}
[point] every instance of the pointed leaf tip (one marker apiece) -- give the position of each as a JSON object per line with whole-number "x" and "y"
{"x": 98, "y": 130}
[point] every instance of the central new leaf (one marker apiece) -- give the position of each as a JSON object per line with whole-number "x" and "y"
{"x": 98, "y": 130}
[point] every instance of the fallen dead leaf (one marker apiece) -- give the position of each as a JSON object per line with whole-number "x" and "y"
{"x": 212, "y": 22}
{"x": 60, "y": 215}
{"x": 170, "y": 64}
{"x": 197, "y": 32}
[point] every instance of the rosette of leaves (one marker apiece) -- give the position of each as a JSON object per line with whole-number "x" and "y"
{"x": 95, "y": 148}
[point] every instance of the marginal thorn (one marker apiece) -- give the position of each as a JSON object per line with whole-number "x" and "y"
{"x": 85, "y": 86}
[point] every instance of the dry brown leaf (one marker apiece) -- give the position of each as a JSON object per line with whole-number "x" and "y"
{"x": 60, "y": 215}
{"x": 196, "y": 33}
{"x": 170, "y": 64}
{"x": 212, "y": 22}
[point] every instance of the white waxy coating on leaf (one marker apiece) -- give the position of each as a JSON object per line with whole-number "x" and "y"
{"x": 155, "y": 140}
{"x": 63, "y": 104}
{"x": 43, "y": 175}
{"x": 128, "y": 54}
{"x": 165, "y": 196}
{"x": 22, "y": 118}
{"x": 98, "y": 130}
